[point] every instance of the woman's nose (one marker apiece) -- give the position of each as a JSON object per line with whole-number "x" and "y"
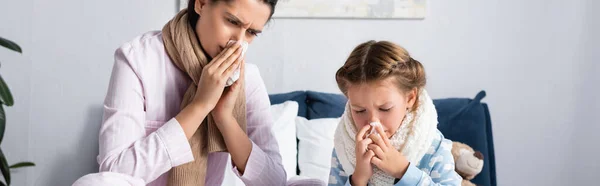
{"x": 240, "y": 35}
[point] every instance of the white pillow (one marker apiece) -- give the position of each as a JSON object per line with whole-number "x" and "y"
{"x": 315, "y": 146}
{"x": 284, "y": 130}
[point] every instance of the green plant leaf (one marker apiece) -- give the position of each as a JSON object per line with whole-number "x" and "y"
{"x": 22, "y": 164}
{"x": 5, "y": 94}
{"x": 2, "y": 184}
{"x": 10, "y": 45}
{"x": 2, "y": 123}
{"x": 4, "y": 168}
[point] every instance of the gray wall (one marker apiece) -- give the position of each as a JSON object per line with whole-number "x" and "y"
{"x": 534, "y": 58}
{"x": 585, "y": 137}
{"x": 60, "y": 81}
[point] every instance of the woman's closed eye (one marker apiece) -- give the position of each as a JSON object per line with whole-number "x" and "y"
{"x": 237, "y": 23}
{"x": 252, "y": 32}
{"x": 234, "y": 22}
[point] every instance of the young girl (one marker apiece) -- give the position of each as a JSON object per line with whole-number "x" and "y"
{"x": 388, "y": 133}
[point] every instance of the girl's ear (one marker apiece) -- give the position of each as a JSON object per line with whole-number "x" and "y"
{"x": 411, "y": 98}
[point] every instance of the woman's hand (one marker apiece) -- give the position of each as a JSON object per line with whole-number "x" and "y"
{"x": 364, "y": 169}
{"x": 215, "y": 74}
{"x": 387, "y": 158}
{"x": 210, "y": 88}
{"x": 223, "y": 112}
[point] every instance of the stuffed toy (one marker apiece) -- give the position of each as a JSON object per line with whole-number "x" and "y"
{"x": 468, "y": 162}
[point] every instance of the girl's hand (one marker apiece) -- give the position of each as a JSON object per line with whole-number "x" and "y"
{"x": 364, "y": 169}
{"x": 387, "y": 158}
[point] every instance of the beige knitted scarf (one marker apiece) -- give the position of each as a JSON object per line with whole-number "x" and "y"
{"x": 185, "y": 51}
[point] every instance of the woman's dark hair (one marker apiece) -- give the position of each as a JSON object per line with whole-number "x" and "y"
{"x": 193, "y": 16}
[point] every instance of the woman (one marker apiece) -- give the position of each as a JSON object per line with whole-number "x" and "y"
{"x": 169, "y": 116}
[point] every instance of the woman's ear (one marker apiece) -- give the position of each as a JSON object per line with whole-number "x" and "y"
{"x": 411, "y": 98}
{"x": 199, "y": 5}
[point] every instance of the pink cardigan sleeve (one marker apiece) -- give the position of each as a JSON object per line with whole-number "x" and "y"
{"x": 124, "y": 146}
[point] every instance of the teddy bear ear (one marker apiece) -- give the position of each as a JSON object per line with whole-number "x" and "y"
{"x": 478, "y": 155}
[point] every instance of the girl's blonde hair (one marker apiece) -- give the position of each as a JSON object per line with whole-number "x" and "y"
{"x": 373, "y": 61}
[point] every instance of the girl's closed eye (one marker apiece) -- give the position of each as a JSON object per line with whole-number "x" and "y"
{"x": 359, "y": 111}
{"x": 386, "y": 109}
